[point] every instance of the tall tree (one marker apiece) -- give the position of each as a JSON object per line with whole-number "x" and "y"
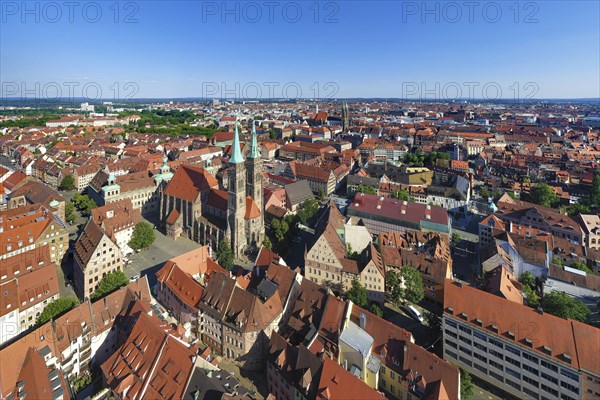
{"x": 358, "y": 293}
{"x": 393, "y": 288}
{"x": 413, "y": 284}
{"x": 564, "y": 306}
{"x": 68, "y": 183}
{"x": 225, "y": 255}
{"x": 467, "y": 388}
{"x": 595, "y": 194}
{"x": 543, "y": 195}
{"x": 56, "y": 308}
{"x": 109, "y": 283}
{"x": 143, "y": 236}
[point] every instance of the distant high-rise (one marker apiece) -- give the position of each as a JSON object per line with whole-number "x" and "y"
{"x": 345, "y": 117}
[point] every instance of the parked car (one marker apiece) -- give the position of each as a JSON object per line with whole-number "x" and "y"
{"x": 134, "y": 278}
{"x": 413, "y": 312}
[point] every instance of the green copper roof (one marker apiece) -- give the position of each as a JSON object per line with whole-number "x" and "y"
{"x": 236, "y": 153}
{"x": 254, "y": 153}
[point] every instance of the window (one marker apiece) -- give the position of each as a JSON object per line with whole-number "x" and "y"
{"x": 513, "y": 373}
{"x": 513, "y": 362}
{"x": 513, "y": 350}
{"x": 549, "y": 378}
{"x": 480, "y": 336}
{"x": 550, "y": 390}
{"x": 530, "y": 369}
{"x": 570, "y": 387}
{"x": 496, "y": 343}
{"x": 551, "y": 367}
{"x": 465, "y": 350}
{"x": 497, "y": 354}
{"x": 464, "y": 329}
{"x": 531, "y": 358}
{"x": 569, "y": 374}
{"x": 532, "y": 382}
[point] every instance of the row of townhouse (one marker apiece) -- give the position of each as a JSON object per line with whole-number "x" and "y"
{"x": 88, "y": 334}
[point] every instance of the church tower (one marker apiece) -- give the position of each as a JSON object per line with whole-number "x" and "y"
{"x": 345, "y": 117}
{"x": 236, "y": 198}
{"x": 254, "y": 188}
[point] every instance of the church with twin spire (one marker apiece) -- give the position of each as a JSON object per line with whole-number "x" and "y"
{"x": 194, "y": 204}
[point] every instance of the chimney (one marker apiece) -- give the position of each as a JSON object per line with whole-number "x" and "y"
{"x": 363, "y": 320}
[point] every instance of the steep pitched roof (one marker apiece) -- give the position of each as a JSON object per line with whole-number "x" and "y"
{"x": 88, "y": 242}
{"x": 189, "y": 181}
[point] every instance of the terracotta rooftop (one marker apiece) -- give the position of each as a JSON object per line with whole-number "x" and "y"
{"x": 554, "y": 337}
{"x": 189, "y": 181}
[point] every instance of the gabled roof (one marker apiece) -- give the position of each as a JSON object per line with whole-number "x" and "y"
{"x": 189, "y": 181}
{"x": 87, "y": 243}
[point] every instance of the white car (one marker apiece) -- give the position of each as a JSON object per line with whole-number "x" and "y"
{"x": 134, "y": 278}
{"x": 414, "y": 313}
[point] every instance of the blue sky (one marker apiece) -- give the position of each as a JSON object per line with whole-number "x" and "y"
{"x": 545, "y": 49}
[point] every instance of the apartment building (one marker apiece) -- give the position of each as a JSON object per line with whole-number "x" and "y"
{"x": 235, "y": 322}
{"x": 525, "y": 352}
{"x": 29, "y": 282}
{"x": 29, "y": 227}
{"x": 94, "y": 256}
{"x": 383, "y": 214}
{"x": 118, "y": 220}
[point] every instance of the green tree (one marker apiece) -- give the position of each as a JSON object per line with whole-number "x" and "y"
{"x": 225, "y": 255}
{"x": 484, "y": 192}
{"x": 455, "y": 239}
{"x": 401, "y": 194}
{"x": 280, "y": 230}
{"x": 267, "y": 243}
{"x": 582, "y": 267}
{"x": 595, "y": 194}
{"x": 467, "y": 388}
{"x": 564, "y": 306}
{"x": 56, "y": 308}
{"x": 308, "y": 209}
{"x": 413, "y": 284}
{"x": 393, "y": 288}
{"x": 84, "y": 203}
{"x": 358, "y": 293}
{"x": 70, "y": 212}
{"x": 109, "y": 283}
{"x": 533, "y": 300}
{"x": 543, "y": 195}
{"x": 366, "y": 189}
{"x": 577, "y": 209}
{"x": 273, "y": 135}
{"x": 375, "y": 309}
{"x": 143, "y": 236}
{"x": 527, "y": 279}
{"x": 68, "y": 183}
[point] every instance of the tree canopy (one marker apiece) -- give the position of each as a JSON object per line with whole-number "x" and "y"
{"x": 366, "y": 189}
{"x": 413, "y": 284}
{"x": 467, "y": 388}
{"x": 595, "y": 194}
{"x": 56, "y": 308}
{"x": 225, "y": 255}
{"x": 358, "y": 293}
{"x": 401, "y": 194}
{"x": 84, "y": 203}
{"x": 543, "y": 195}
{"x": 109, "y": 283}
{"x": 68, "y": 183}
{"x": 70, "y": 212}
{"x": 564, "y": 306}
{"x": 143, "y": 236}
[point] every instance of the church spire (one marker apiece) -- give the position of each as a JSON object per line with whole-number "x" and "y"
{"x": 236, "y": 153}
{"x": 254, "y": 153}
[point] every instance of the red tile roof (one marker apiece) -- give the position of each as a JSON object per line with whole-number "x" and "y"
{"x": 577, "y": 340}
{"x": 189, "y": 181}
{"x": 337, "y": 383}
